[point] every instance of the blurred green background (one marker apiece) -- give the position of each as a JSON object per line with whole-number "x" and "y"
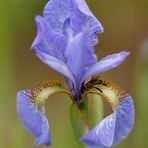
{"x": 126, "y": 28}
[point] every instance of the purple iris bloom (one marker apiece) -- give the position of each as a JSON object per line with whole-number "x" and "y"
{"x": 65, "y": 41}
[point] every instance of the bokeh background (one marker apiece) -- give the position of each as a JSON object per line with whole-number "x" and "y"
{"x": 126, "y": 28}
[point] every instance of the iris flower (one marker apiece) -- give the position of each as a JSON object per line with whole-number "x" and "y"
{"x": 67, "y": 34}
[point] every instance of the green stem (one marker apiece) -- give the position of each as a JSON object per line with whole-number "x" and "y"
{"x": 79, "y": 127}
{"x": 85, "y": 116}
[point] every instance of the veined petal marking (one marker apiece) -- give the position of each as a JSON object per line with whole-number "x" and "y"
{"x": 115, "y": 127}
{"x": 39, "y": 94}
{"x": 109, "y": 91}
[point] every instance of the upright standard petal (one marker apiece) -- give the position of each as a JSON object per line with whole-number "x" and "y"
{"x": 81, "y": 13}
{"x": 57, "y": 11}
{"x": 30, "y": 107}
{"x": 83, "y": 19}
{"x": 34, "y": 121}
{"x": 105, "y": 64}
{"x": 49, "y": 41}
{"x": 113, "y": 128}
{"x": 56, "y": 64}
{"x": 80, "y": 55}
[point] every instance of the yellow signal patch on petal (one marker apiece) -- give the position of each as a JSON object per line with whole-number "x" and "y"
{"x": 43, "y": 91}
{"x": 107, "y": 90}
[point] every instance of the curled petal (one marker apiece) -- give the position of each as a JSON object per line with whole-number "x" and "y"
{"x": 105, "y": 64}
{"x": 47, "y": 40}
{"x": 114, "y": 128}
{"x": 30, "y": 107}
{"x": 56, "y": 64}
{"x": 82, "y": 18}
{"x": 34, "y": 121}
{"x": 82, "y": 11}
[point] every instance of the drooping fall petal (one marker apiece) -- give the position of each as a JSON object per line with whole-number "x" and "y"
{"x": 117, "y": 126}
{"x": 30, "y": 108}
{"x": 114, "y": 128}
{"x": 34, "y": 121}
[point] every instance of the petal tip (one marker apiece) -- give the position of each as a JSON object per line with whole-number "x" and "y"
{"x": 38, "y": 18}
{"x": 125, "y": 53}
{"x": 101, "y": 29}
{"x": 40, "y": 141}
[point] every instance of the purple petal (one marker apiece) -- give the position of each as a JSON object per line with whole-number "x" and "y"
{"x": 105, "y": 64}
{"x": 114, "y": 128}
{"x": 34, "y": 121}
{"x": 80, "y": 55}
{"x": 82, "y": 18}
{"x": 57, "y": 11}
{"x": 79, "y": 9}
{"x": 47, "y": 40}
{"x": 56, "y": 64}
{"x": 84, "y": 8}
{"x": 68, "y": 31}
